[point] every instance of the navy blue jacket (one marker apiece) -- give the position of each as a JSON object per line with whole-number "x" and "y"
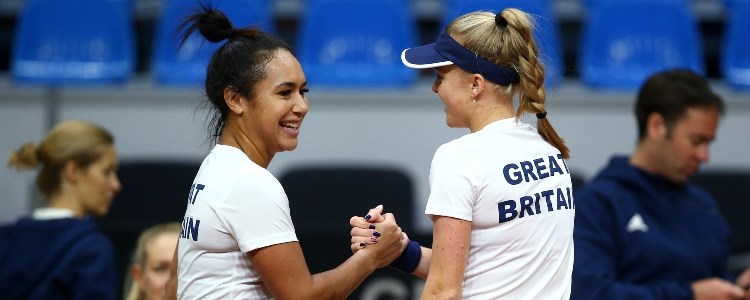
{"x": 638, "y": 236}
{"x": 56, "y": 259}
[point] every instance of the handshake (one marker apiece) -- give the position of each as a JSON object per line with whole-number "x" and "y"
{"x": 381, "y": 234}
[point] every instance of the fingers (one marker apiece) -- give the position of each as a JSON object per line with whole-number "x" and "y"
{"x": 357, "y": 246}
{"x": 404, "y": 241}
{"x": 374, "y": 215}
{"x": 389, "y": 218}
{"x": 359, "y": 222}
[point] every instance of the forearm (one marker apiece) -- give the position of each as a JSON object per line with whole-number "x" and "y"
{"x": 424, "y": 263}
{"x": 340, "y": 282}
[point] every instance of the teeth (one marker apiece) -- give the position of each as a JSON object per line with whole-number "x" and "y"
{"x": 290, "y": 125}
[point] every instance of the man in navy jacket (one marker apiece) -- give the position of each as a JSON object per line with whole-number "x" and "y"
{"x": 642, "y": 231}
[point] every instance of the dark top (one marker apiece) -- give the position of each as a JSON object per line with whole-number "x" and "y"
{"x": 638, "y": 236}
{"x": 56, "y": 259}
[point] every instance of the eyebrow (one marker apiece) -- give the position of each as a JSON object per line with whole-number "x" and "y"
{"x": 291, "y": 84}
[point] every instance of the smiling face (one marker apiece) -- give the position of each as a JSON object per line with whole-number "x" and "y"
{"x": 454, "y": 89}
{"x": 679, "y": 155}
{"x": 274, "y": 115}
{"x": 97, "y": 184}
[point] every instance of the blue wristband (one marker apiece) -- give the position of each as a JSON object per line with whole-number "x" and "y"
{"x": 409, "y": 259}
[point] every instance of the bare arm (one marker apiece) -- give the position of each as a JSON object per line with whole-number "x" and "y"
{"x": 451, "y": 238}
{"x": 170, "y": 289}
{"x": 284, "y": 270}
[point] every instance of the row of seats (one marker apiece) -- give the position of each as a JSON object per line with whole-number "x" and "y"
{"x": 346, "y": 43}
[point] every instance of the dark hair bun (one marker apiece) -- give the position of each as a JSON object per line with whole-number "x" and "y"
{"x": 212, "y": 24}
{"x": 215, "y": 26}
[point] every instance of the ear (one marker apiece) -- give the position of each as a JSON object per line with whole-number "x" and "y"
{"x": 71, "y": 172}
{"x": 137, "y": 274}
{"x": 478, "y": 83}
{"x": 656, "y": 127}
{"x": 233, "y": 100}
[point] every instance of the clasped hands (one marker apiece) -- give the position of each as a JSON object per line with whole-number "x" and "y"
{"x": 368, "y": 230}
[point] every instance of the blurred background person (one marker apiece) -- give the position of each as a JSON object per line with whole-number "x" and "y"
{"x": 642, "y": 230}
{"x": 150, "y": 266}
{"x": 58, "y": 252}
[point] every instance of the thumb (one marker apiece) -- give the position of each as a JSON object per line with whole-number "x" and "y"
{"x": 375, "y": 215}
{"x": 737, "y": 292}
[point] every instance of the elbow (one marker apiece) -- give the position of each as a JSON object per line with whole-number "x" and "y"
{"x": 450, "y": 294}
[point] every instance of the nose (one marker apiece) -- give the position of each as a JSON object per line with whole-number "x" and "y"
{"x": 116, "y": 185}
{"x": 435, "y": 87}
{"x": 300, "y": 107}
{"x": 702, "y": 153}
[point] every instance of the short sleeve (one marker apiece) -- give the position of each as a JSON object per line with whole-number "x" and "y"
{"x": 256, "y": 212}
{"x": 452, "y": 190}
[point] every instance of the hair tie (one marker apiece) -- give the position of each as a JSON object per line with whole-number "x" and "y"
{"x": 541, "y": 115}
{"x": 500, "y": 20}
{"x": 233, "y": 32}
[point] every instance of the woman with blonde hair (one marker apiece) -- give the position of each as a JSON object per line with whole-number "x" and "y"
{"x": 500, "y": 196}
{"x": 58, "y": 252}
{"x": 152, "y": 257}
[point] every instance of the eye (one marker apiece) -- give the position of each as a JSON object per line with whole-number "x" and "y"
{"x": 285, "y": 92}
{"x": 304, "y": 91}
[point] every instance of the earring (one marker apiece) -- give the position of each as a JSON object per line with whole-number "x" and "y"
{"x": 474, "y": 100}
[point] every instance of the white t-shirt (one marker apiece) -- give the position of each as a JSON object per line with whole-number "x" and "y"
{"x": 234, "y": 207}
{"x": 516, "y": 190}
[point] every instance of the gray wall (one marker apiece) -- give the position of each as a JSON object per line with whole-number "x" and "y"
{"x": 401, "y": 129}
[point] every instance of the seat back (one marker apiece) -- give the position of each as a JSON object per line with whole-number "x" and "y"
{"x": 729, "y": 189}
{"x": 344, "y": 43}
{"x": 547, "y": 31}
{"x": 72, "y": 42}
{"x": 624, "y": 42}
{"x": 735, "y": 62}
{"x": 173, "y": 65}
{"x": 323, "y": 198}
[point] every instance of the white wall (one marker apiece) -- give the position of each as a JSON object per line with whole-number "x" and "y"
{"x": 394, "y": 128}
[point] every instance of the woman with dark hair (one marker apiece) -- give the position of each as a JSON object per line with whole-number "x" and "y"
{"x": 58, "y": 252}
{"x": 238, "y": 240}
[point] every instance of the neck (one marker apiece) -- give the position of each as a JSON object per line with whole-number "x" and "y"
{"x": 235, "y": 137}
{"x": 67, "y": 201}
{"x": 642, "y": 160}
{"x": 487, "y": 111}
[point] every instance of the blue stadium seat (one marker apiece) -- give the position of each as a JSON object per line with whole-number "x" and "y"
{"x": 72, "y": 42}
{"x": 735, "y": 58}
{"x": 590, "y": 4}
{"x": 624, "y": 42}
{"x": 547, "y": 32}
{"x": 173, "y": 65}
{"x": 345, "y": 43}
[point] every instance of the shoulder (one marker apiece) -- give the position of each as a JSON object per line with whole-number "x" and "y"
{"x": 600, "y": 192}
{"x": 91, "y": 239}
{"x": 701, "y": 195}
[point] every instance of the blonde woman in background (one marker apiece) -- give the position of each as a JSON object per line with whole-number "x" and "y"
{"x": 150, "y": 267}
{"x": 58, "y": 252}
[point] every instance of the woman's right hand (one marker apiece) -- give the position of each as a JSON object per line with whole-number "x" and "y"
{"x": 385, "y": 238}
{"x": 363, "y": 228}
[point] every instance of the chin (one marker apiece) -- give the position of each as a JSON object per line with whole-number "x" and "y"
{"x": 289, "y": 146}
